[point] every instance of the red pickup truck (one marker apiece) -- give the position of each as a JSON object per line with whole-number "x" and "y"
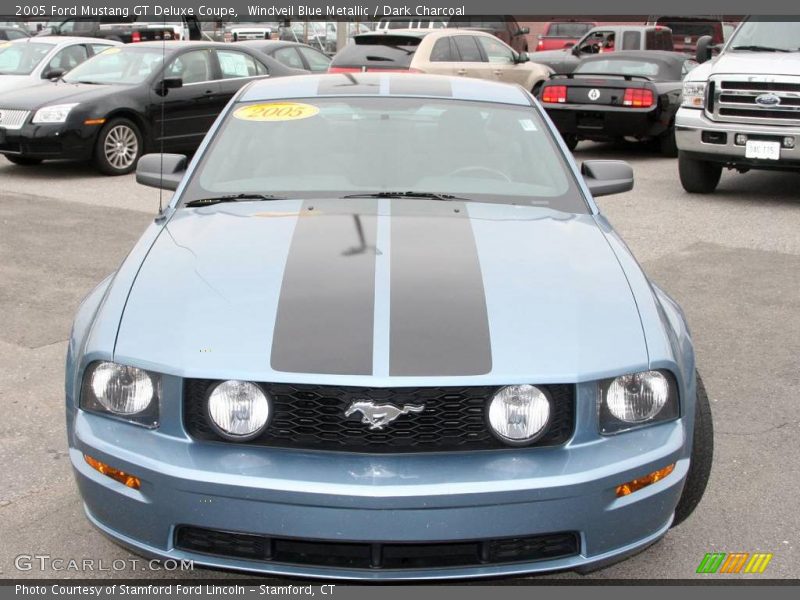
{"x": 562, "y": 34}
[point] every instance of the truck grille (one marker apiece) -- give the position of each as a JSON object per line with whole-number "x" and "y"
{"x": 366, "y": 555}
{"x": 312, "y": 417}
{"x": 733, "y": 98}
{"x": 12, "y": 119}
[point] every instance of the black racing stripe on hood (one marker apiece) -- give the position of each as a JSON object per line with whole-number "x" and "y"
{"x": 324, "y": 322}
{"x": 439, "y": 322}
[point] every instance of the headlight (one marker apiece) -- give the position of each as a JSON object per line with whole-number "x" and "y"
{"x": 637, "y": 399}
{"x": 694, "y": 94}
{"x": 53, "y": 114}
{"x": 118, "y": 390}
{"x": 519, "y": 414}
{"x": 238, "y": 410}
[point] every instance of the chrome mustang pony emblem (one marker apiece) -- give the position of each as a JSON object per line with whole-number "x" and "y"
{"x": 377, "y": 416}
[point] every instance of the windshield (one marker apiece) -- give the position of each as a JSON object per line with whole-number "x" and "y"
{"x": 21, "y": 59}
{"x": 124, "y": 66}
{"x": 333, "y": 147}
{"x": 780, "y": 35}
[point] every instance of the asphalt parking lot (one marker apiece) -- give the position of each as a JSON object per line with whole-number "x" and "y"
{"x": 731, "y": 259}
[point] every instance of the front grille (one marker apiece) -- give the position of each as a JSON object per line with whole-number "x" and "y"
{"x": 368, "y": 555}
{"x": 312, "y": 417}
{"x": 733, "y": 98}
{"x": 13, "y": 119}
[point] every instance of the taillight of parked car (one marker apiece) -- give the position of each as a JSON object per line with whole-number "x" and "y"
{"x": 540, "y": 43}
{"x": 638, "y": 98}
{"x": 554, "y": 94}
{"x": 136, "y": 37}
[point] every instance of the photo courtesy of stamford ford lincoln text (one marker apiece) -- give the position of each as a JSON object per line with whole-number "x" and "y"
{"x": 302, "y": 298}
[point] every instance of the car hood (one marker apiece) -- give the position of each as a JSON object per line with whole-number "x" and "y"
{"x": 772, "y": 63}
{"x": 15, "y": 82}
{"x": 47, "y": 93}
{"x": 372, "y": 291}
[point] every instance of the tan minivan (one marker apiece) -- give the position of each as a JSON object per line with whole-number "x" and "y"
{"x": 456, "y": 52}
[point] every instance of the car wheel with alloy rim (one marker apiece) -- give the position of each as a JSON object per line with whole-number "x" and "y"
{"x": 118, "y": 148}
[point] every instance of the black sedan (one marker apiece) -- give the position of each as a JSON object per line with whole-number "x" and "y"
{"x": 129, "y": 100}
{"x": 292, "y": 54}
{"x": 627, "y": 94}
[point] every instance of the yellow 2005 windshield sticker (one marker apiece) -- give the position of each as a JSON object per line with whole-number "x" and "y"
{"x": 112, "y": 50}
{"x": 276, "y": 111}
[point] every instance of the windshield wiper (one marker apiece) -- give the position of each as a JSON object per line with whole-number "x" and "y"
{"x": 755, "y": 48}
{"x": 232, "y": 198}
{"x": 431, "y": 195}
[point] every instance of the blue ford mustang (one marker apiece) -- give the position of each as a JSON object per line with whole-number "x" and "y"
{"x": 383, "y": 332}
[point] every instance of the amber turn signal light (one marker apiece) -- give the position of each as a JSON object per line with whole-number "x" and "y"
{"x": 632, "y": 486}
{"x": 121, "y": 476}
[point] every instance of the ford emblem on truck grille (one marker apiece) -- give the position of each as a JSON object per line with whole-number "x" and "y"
{"x": 768, "y": 99}
{"x": 377, "y": 416}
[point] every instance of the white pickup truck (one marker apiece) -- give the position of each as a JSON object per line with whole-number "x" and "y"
{"x": 741, "y": 108}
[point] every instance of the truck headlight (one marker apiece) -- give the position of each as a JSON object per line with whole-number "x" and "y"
{"x": 637, "y": 399}
{"x": 238, "y": 410}
{"x": 121, "y": 391}
{"x": 57, "y": 113}
{"x": 519, "y": 414}
{"x": 694, "y": 94}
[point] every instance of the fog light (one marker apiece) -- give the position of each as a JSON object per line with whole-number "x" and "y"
{"x": 632, "y": 486}
{"x": 519, "y": 414}
{"x": 741, "y": 139}
{"x": 124, "y": 478}
{"x": 788, "y": 142}
{"x": 239, "y": 410}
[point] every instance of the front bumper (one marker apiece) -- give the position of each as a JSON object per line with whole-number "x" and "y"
{"x": 692, "y": 124}
{"x": 49, "y": 141}
{"x": 422, "y": 498}
{"x": 598, "y": 122}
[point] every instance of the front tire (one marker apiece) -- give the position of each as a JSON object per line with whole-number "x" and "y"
{"x": 23, "y": 161}
{"x": 698, "y": 176}
{"x": 118, "y": 147}
{"x": 701, "y": 459}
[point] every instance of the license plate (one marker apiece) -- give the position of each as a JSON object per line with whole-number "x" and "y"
{"x": 763, "y": 150}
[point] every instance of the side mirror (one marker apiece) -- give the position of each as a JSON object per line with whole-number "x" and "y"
{"x": 53, "y": 73}
{"x": 168, "y": 83}
{"x": 524, "y": 31}
{"x": 149, "y": 170}
{"x": 702, "y": 52}
{"x": 569, "y": 45}
{"x": 523, "y": 57}
{"x": 606, "y": 177}
{"x": 575, "y": 49}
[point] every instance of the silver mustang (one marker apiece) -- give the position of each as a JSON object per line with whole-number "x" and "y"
{"x": 382, "y": 331}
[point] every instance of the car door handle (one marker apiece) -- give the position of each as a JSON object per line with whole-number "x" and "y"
{"x": 461, "y": 71}
{"x": 498, "y": 72}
